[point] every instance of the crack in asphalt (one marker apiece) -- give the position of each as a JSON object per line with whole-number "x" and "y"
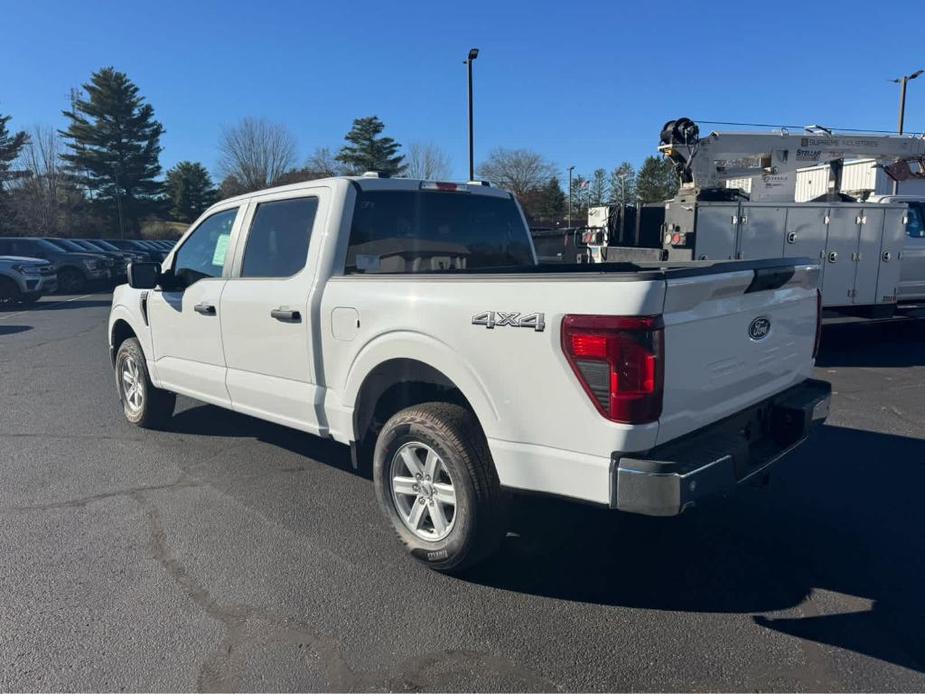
{"x": 84, "y": 501}
{"x": 246, "y": 625}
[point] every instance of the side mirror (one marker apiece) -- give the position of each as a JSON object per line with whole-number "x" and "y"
{"x": 143, "y": 275}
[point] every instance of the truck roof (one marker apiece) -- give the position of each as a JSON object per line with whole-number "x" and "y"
{"x": 371, "y": 183}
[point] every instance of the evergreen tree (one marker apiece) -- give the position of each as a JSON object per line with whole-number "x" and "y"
{"x": 189, "y": 190}
{"x": 597, "y": 190}
{"x": 580, "y": 187}
{"x": 623, "y": 184}
{"x": 368, "y": 152}
{"x": 552, "y": 202}
{"x": 657, "y": 180}
{"x": 10, "y": 145}
{"x": 114, "y": 144}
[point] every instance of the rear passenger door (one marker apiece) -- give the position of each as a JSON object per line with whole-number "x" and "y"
{"x": 267, "y": 330}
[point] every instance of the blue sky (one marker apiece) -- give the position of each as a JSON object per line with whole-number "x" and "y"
{"x": 588, "y": 84}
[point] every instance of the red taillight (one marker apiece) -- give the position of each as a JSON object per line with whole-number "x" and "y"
{"x": 619, "y": 362}
{"x": 818, "y": 323}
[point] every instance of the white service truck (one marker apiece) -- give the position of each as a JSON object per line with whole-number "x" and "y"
{"x": 410, "y": 320}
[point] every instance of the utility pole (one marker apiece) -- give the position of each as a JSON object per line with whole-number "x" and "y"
{"x": 903, "y": 81}
{"x": 570, "y": 169}
{"x": 473, "y": 54}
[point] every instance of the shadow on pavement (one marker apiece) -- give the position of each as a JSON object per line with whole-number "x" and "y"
{"x": 209, "y": 420}
{"x": 843, "y": 514}
{"x": 13, "y": 329}
{"x": 898, "y": 343}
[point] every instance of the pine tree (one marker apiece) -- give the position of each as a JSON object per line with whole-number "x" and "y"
{"x": 657, "y": 180}
{"x": 623, "y": 184}
{"x": 368, "y": 152}
{"x": 597, "y": 191}
{"x": 189, "y": 190}
{"x": 10, "y": 145}
{"x": 552, "y": 202}
{"x": 114, "y": 144}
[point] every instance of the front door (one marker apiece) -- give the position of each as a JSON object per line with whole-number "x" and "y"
{"x": 186, "y": 321}
{"x": 266, "y": 312}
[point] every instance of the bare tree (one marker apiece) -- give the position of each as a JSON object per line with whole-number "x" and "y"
{"x": 517, "y": 170}
{"x": 426, "y": 160}
{"x": 255, "y": 153}
{"x": 323, "y": 163}
{"x": 37, "y": 197}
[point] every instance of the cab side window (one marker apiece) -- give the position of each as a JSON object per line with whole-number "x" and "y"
{"x": 277, "y": 244}
{"x": 915, "y": 224}
{"x": 204, "y": 252}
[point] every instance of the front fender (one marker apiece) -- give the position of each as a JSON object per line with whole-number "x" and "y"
{"x": 126, "y": 307}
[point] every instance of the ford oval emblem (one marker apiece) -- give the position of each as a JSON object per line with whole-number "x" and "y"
{"x": 759, "y": 328}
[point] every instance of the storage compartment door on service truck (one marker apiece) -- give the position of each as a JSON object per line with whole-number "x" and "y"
{"x": 892, "y": 243}
{"x": 867, "y": 257}
{"x": 716, "y": 227}
{"x": 761, "y": 231}
{"x": 840, "y": 249}
{"x": 805, "y": 233}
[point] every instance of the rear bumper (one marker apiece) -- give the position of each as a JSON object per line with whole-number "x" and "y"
{"x": 670, "y": 478}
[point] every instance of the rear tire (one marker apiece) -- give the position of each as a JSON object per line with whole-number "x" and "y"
{"x": 144, "y": 405}
{"x": 71, "y": 281}
{"x": 437, "y": 485}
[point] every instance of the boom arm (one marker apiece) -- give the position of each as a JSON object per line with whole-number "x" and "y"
{"x": 705, "y": 163}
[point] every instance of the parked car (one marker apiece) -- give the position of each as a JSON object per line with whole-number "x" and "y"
{"x": 76, "y": 270}
{"x": 411, "y": 320}
{"x": 135, "y": 255}
{"x": 115, "y": 260}
{"x": 25, "y": 280}
{"x": 153, "y": 254}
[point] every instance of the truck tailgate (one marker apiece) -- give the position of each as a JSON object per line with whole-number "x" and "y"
{"x": 734, "y": 339}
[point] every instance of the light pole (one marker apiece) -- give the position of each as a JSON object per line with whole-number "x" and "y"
{"x": 473, "y": 54}
{"x": 570, "y": 169}
{"x": 902, "y": 81}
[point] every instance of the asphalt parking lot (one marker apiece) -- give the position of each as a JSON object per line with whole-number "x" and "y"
{"x": 230, "y": 554}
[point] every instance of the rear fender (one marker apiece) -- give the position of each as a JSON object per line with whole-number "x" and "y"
{"x": 429, "y": 351}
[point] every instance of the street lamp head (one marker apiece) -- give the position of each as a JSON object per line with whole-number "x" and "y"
{"x": 916, "y": 74}
{"x": 473, "y": 53}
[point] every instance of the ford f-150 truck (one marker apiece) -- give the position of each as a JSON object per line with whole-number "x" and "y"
{"x": 410, "y": 320}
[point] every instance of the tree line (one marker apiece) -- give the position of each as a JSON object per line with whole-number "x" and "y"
{"x": 101, "y": 174}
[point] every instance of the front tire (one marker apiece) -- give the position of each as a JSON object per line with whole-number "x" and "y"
{"x": 9, "y": 292}
{"x": 144, "y": 405}
{"x": 437, "y": 485}
{"x": 71, "y": 281}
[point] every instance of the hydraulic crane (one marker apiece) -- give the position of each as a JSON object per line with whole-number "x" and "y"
{"x": 771, "y": 160}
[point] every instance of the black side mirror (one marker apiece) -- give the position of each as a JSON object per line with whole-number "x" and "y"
{"x": 143, "y": 275}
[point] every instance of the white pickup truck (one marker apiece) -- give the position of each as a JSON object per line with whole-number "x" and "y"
{"x": 410, "y": 320}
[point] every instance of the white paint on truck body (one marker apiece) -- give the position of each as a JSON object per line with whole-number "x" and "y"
{"x": 544, "y": 432}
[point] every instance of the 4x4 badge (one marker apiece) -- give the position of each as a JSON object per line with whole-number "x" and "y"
{"x": 500, "y": 319}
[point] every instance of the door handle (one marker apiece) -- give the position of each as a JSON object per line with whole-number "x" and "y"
{"x": 204, "y": 309}
{"x": 286, "y": 315}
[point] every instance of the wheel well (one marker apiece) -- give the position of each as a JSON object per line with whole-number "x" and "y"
{"x": 121, "y": 331}
{"x": 394, "y": 385}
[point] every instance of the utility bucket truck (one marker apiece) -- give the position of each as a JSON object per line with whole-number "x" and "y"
{"x": 859, "y": 244}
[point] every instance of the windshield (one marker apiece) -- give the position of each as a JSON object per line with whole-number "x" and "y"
{"x": 402, "y": 231}
{"x": 57, "y": 245}
{"x": 105, "y": 244}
